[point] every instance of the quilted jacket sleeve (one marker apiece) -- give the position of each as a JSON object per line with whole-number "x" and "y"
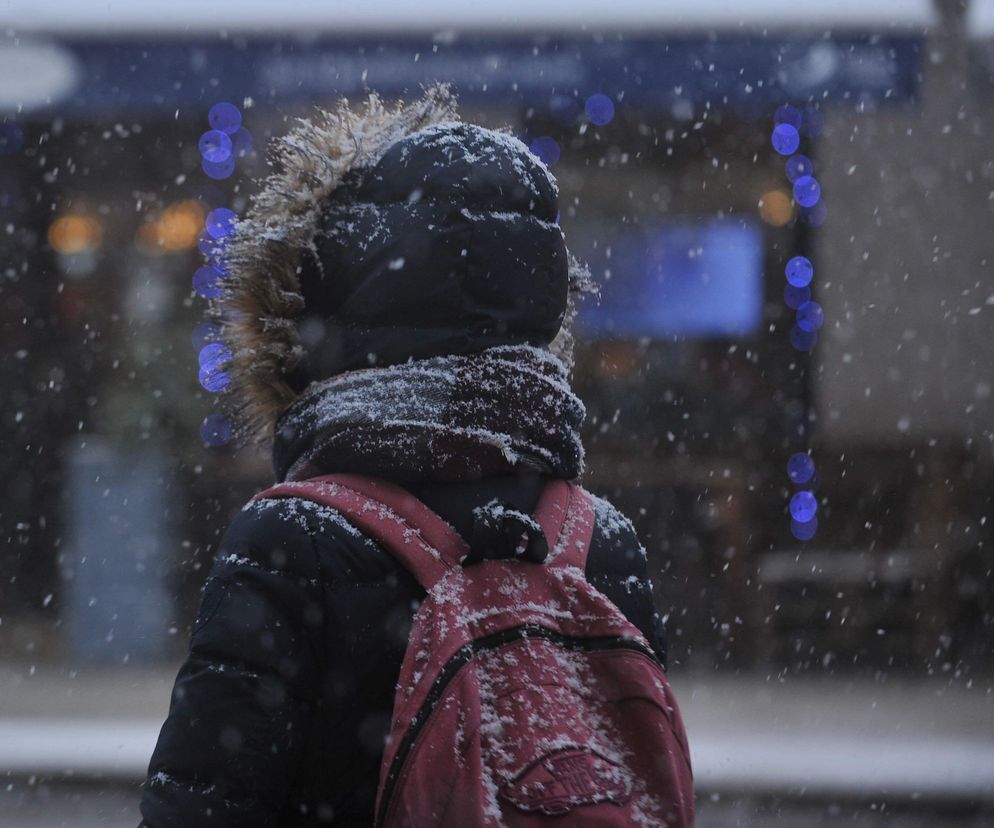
{"x": 227, "y": 751}
{"x": 617, "y": 566}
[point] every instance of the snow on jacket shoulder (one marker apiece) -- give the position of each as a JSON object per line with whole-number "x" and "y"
{"x": 280, "y": 712}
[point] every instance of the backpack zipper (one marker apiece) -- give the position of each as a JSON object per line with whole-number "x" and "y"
{"x": 462, "y": 657}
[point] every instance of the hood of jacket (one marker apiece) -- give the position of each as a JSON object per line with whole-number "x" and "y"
{"x": 311, "y": 290}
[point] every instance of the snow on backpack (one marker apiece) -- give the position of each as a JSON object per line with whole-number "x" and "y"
{"x": 525, "y": 696}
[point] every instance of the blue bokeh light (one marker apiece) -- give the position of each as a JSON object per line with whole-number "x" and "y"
{"x": 800, "y": 467}
{"x": 213, "y": 378}
{"x": 810, "y": 316}
{"x": 218, "y": 170}
{"x": 216, "y": 430}
{"x": 794, "y": 296}
{"x": 802, "y": 340}
{"x": 213, "y": 355}
{"x": 797, "y": 166}
{"x": 225, "y": 117}
{"x": 803, "y": 506}
{"x": 545, "y": 148}
{"x": 215, "y": 146}
{"x": 804, "y": 530}
{"x": 11, "y": 139}
{"x": 807, "y": 191}
{"x": 799, "y": 271}
{"x": 213, "y": 249}
{"x": 241, "y": 143}
{"x": 220, "y": 222}
{"x": 786, "y": 139}
{"x": 787, "y": 114}
{"x": 600, "y": 109}
{"x": 207, "y": 282}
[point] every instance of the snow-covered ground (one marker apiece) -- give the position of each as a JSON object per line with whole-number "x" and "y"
{"x": 742, "y": 759}
{"x": 910, "y": 745}
{"x": 900, "y": 739}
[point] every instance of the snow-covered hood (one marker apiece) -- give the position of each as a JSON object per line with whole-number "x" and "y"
{"x": 263, "y": 299}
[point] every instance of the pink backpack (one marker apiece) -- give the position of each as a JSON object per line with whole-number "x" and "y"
{"x": 525, "y": 696}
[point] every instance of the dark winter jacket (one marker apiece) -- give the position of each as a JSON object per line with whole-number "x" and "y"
{"x": 279, "y": 714}
{"x": 436, "y": 241}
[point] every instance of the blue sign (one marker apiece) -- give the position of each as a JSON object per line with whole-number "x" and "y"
{"x": 698, "y": 279}
{"x": 674, "y": 73}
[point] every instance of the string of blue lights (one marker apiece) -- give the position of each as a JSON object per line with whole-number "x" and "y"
{"x": 789, "y": 124}
{"x": 599, "y": 109}
{"x": 219, "y": 146}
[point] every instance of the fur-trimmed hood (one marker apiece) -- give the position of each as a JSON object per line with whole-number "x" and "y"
{"x": 262, "y": 295}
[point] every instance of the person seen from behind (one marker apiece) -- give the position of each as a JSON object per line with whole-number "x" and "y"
{"x": 426, "y": 621}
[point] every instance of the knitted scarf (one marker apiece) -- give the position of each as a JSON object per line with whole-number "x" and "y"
{"x": 442, "y": 419}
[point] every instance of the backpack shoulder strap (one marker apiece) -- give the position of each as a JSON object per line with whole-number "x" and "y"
{"x": 420, "y": 540}
{"x": 566, "y": 514}
{"x": 415, "y": 536}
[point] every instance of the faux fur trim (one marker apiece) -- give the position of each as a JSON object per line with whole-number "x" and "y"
{"x": 262, "y": 292}
{"x": 581, "y": 284}
{"x": 262, "y": 295}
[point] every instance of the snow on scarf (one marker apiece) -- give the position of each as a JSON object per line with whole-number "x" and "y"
{"x": 444, "y": 419}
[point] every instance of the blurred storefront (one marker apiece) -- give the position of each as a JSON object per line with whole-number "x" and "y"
{"x": 658, "y": 130}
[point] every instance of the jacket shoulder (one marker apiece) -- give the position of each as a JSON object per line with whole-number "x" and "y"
{"x": 615, "y": 540}
{"x": 291, "y": 528}
{"x": 617, "y": 565}
{"x": 289, "y": 516}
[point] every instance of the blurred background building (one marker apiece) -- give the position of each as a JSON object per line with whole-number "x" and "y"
{"x": 656, "y": 118}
